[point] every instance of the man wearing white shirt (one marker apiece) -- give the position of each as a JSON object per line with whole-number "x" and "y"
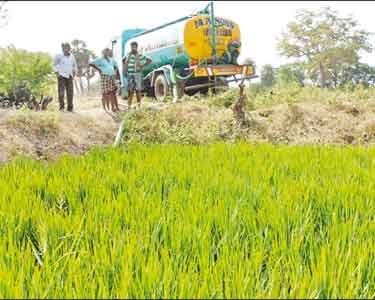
{"x": 65, "y": 67}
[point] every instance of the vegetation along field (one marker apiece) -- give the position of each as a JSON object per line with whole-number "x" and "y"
{"x": 185, "y": 221}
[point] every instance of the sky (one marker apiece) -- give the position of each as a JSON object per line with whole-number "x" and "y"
{"x": 43, "y": 25}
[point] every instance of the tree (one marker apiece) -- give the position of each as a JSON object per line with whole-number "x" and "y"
{"x": 3, "y": 13}
{"x": 290, "y": 73}
{"x": 83, "y": 56}
{"x": 267, "y": 76}
{"x": 20, "y": 66}
{"x": 25, "y": 76}
{"x": 358, "y": 73}
{"x": 323, "y": 42}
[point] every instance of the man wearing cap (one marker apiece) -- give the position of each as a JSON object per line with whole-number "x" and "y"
{"x": 134, "y": 62}
{"x": 65, "y": 67}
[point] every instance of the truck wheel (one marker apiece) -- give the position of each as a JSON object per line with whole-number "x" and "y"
{"x": 161, "y": 87}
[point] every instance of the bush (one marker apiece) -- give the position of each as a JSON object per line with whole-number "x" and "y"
{"x": 23, "y": 68}
{"x": 224, "y": 99}
{"x": 290, "y": 74}
{"x": 178, "y": 124}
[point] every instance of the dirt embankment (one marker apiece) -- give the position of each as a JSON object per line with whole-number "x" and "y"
{"x": 317, "y": 123}
{"x": 295, "y": 124}
{"x": 48, "y": 135}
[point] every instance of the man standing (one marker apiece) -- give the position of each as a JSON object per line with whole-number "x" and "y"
{"x": 65, "y": 67}
{"x": 133, "y": 65}
{"x": 109, "y": 74}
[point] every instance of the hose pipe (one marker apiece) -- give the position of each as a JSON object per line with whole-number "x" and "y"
{"x": 121, "y": 130}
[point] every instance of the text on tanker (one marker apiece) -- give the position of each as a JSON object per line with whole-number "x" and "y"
{"x": 158, "y": 45}
{"x": 218, "y": 22}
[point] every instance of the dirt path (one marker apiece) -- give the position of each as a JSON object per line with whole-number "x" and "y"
{"x": 48, "y": 135}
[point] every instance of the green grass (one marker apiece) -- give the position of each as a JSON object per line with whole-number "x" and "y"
{"x": 190, "y": 221}
{"x": 261, "y": 97}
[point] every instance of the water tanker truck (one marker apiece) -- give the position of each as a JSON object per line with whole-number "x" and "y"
{"x": 189, "y": 55}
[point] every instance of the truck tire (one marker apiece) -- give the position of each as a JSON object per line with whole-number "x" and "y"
{"x": 161, "y": 88}
{"x": 148, "y": 89}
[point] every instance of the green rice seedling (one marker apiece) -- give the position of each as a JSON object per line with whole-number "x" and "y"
{"x": 179, "y": 221}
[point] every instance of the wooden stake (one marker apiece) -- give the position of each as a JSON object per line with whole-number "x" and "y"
{"x": 239, "y": 107}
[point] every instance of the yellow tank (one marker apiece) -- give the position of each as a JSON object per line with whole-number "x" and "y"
{"x": 198, "y": 36}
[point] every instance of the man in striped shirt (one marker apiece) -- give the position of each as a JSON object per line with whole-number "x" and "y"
{"x": 133, "y": 65}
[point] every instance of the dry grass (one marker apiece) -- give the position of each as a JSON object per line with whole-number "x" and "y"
{"x": 287, "y": 116}
{"x": 48, "y": 135}
{"x": 292, "y": 122}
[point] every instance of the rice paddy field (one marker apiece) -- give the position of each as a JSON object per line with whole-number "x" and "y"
{"x": 175, "y": 221}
